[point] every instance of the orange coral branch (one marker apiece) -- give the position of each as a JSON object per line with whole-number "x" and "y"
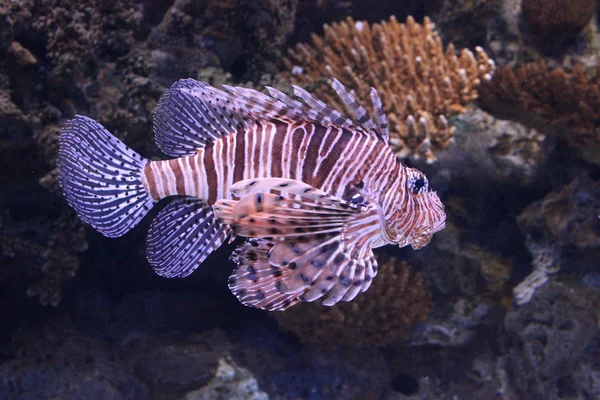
{"x": 420, "y": 84}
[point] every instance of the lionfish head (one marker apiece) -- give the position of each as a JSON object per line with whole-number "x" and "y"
{"x": 420, "y": 215}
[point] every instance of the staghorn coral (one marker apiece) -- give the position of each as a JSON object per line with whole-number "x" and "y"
{"x": 420, "y": 84}
{"x": 559, "y": 98}
{"x": 397, "y": 299}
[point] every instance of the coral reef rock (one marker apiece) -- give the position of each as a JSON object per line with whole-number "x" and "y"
{"x": 568, "y": 217}
{"x": 549, "y": 338}
{"x": 287, "y": 370}
{"x": 562, "y": 232}
{"x": 421, "y": 84}
{"x": 491, "y": 148}
{"x": 230, "y": 383}
{"x": 454, "y": 323}
{"x": 243, "y": 36}
{"x": 72, "y": 364}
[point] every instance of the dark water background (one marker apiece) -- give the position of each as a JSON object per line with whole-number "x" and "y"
{"x": 85, "y": 317}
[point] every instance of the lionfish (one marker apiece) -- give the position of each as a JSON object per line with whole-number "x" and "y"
{"x": 312, "y": 191}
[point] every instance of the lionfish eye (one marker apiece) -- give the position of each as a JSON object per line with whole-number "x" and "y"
{"x": 357, "y": 199}
{"x": 419, "y": 185}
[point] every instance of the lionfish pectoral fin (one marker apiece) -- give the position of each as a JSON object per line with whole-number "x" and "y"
{"x": 181, "y": 236}
{"x": 275, "y": 276}
{"x": 314, "y": 244}
{"x": 255, "y": 282}
{"x": 355, "y": 277}
{"x": 298, "y": 210}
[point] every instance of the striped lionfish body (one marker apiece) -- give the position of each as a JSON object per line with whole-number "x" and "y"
{"x": 311, "y": 190}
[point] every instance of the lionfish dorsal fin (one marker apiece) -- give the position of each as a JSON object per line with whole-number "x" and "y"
{"x": 382, "y": 125}
{"x": 279, "y": 106}
{"x": 260, "y": 106}
{"x": 363, "y": 118}
{"x": 182, "y": 235}
{"x": 307, "y": 113}
{"x": 318, "y": 107}
{"x": 192, "y": 113}
{"x": 320, "y": 245}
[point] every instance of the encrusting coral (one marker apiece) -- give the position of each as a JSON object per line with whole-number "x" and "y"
{"x": 398, "y": 299}
{"x": 558, "y": 97}
{"x": 562, "y": 231}
{"x": 558, "y": 17}
{"x": 568, "y": 217}
{"x": 420, "y": 84}
{"x": 61, "y": 261}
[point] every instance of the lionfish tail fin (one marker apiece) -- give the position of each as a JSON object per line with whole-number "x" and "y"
{"x": 101, "y": 178}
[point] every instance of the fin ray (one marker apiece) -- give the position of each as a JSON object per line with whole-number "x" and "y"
{"x": 255, "y": 282}
{"x": 314, "y": 249}
{"x": 382, "y": 125}
{"x": 189, "y": 115}
{"x": 101, "y": 177}
{"x": 362, "y": 116}
{"x": 181, "y": 236}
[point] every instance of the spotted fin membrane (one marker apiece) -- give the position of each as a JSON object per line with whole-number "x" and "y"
{"x": 101, "y": 178}
{"x": 305, "y": 244}
{"x": 181, "y": 236}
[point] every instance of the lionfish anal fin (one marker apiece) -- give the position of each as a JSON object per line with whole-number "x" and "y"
{"x": 311, "y": 244}
{"x": 181, "y": 236}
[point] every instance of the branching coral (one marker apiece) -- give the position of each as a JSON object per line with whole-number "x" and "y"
{"x": 397, "y": 299}
{"x": 560, "y": 98}
{"x": 420, "y": 84}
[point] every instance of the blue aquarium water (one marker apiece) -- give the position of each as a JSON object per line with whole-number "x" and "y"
{"x": 299, "y": 199}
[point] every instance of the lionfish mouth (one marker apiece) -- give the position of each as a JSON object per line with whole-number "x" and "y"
{"x": 438, "y": 226}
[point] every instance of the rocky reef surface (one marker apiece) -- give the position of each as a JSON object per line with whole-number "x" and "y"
{"x": 504, "y": 303}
